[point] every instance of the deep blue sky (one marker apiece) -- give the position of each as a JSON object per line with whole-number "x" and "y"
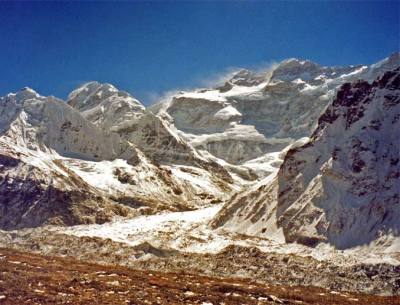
{"x": 147, "y": 48}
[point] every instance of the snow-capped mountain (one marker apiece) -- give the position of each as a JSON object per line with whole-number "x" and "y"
{"x": 343, "y": 185}
{"x": 103, "y": 154}
{"x": 257, "y": 113}
{"x": 283, "y": 168}
{"x": 100, "y": 158}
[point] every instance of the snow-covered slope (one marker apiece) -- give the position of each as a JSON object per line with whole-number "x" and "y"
{"x": 340, "y": 187}
{"x": 36, "y": 188}
{"x": 62, "y": 166}
{"x": 257, "y": 113}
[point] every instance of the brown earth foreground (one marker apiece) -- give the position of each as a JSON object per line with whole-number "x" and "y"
{"x": 27, "y": 278}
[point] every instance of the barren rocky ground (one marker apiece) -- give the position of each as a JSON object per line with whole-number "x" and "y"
{"x": 232, "y": 261}
{"x": 37, "y": 279}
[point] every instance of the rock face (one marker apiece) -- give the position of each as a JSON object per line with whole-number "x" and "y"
{"x": 342, "y": 186}
{"x": 256, "y": 113}
{"x": 106, "y": 156}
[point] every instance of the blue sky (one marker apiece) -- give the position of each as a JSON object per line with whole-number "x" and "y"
{"x": 148, "y": 48}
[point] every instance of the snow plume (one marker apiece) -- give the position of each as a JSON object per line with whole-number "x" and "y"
{"x": 266, "y": 68}
{"x": 212, "y": 81}
{"x": 158, "y": 98}
{"x": 219, "y": 78}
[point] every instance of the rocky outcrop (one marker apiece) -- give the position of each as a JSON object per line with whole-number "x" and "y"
{"x": 342, "y": 186}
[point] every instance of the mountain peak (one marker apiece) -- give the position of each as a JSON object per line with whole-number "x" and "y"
{"x": 296, "y": 62}
{"x": 87, "y": 89}
{"x": 26, "y": 93}
{"x": 293, "y": 68}
{"x": 93, "y": 93}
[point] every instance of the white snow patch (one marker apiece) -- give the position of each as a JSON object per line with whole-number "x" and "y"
{"x": 212, "y": 95}
{"x": 227, "y": 113}
{"x": 244, "y": 90}
{"x": 100, "y": 174}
